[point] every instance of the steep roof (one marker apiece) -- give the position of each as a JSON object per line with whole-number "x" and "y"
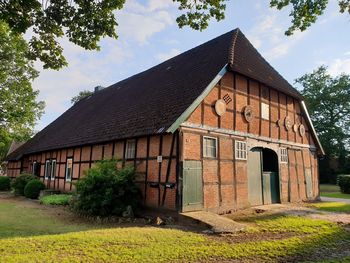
{"x": 151, "y": 101}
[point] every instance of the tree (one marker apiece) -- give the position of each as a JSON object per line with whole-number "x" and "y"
{"x": 328, "y": 100}
{"x": 85, "y": 22}
{"x": 19, "y": 109}
{"x": 82, "y": 94}
{"x": 305, "y": 12}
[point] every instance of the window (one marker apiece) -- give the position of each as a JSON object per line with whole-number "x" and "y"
{"x": 283, "y": 155}
{"x": 69, "y": 169}
{"x": 50, "y": 169}
{"x": 209, "y": 147}
{"x": 47, "y": 169}
{"x": 53, "y": 169}
{"x": 130, "y": 149}
{"x": 241, "y": 150}
{"x": 265, "y": 111}
{"x": 34, "y": 167}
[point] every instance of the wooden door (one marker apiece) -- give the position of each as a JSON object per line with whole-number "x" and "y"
{"x": 308, "y": 180}
{"x": 192, "y": 191}
{"x": 254, "y": 177}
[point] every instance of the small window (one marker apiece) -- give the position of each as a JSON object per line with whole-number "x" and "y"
{"x": 53, "y": 169}
{"x": 130, "y": 149}
{"x": 283, "y": 155}
{"x": 241, "y": 150}
{"x": 265, "y": 111}
{"x": 34, "y": 167}
{"x": 209, "y": 147}
{"x": 69, "y": 169}
{"x": 47, "y": 169}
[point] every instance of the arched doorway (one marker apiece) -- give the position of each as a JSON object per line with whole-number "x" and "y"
{"x": 263, "y": 179}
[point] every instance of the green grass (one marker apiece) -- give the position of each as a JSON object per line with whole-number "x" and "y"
{"x": 333, "y": 207}
{"x": 30, "y": 234}
{"x": 17, "y": 220}
{"x": 58, "y": 199}
{"x": 333, "y": 191}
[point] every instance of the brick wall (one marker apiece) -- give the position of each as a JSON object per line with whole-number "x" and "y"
{"x": 152, "y": 176}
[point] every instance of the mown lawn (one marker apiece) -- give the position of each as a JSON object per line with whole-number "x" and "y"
{"x": 331, "y": 190}
{"x": 30, "y": 234}
{"x": 332, "y": 207}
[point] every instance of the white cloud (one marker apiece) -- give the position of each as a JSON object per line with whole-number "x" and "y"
{"x": 164, "y": 56}
{"x": 268, "y": 35}
{"x": 338, "y": 66}
{"x": 140, "y": 22}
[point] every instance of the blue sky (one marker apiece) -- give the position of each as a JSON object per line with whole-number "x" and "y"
{"x": 148, "y": 35}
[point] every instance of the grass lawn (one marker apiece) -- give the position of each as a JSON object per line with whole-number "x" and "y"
{"x": 30, "y": 233}
{"x": 333, "y": 207}
{"x": 331, "y": 190}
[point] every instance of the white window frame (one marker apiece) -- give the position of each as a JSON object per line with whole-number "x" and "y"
{"x": 241, "y": 151}
{"x": 33, "y": 167}
{"x": 53, "y": 169}
{"x": 283, "y": 155}
{"x": 205, "y": 155}
{"x": 47, "y": 173}
{"x": 71, "y": 174}
{"x": 265, "y": 107}
{"x": 130, "y": 153}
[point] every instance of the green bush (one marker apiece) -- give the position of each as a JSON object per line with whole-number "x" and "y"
{"x": 58, "y": 199}
{"x": 106, "y": 191}
{"x": 5, "y": 183}
{"x": 20, "y": 182}
{"x": 344, "y": 183}
{"x": 33, "y": 188}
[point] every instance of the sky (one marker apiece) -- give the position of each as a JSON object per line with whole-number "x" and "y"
{"x": 148, "y": 34}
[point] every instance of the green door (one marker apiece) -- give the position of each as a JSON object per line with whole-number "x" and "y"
{"x": 308, "y": 179}
{"x": 254, "y": 177}
{"x": 270, "y": 188}
{"x": 192, "y": 191}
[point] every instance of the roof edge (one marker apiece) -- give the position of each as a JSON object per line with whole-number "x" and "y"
{"x": 312, "y": 128}
{"x": 197, "y": 101}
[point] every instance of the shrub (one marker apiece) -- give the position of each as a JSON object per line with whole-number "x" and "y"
{"x": 5, "y": 183}
{"x": 57, "y": 199}
{"x": 20, "y": 182}
{"x": 33, "y": 188}
{"x": 344, "y": 183}
{"x": 106, "y": 191}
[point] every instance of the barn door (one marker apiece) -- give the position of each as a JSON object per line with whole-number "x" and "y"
{"x": 254, "y": 177}
{"x": 270, "y": 188}
{"x": 308, "y": 179}
{"x": 192, "y": 192}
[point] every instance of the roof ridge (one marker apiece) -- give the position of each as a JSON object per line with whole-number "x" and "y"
{"x": 232, "y": 47}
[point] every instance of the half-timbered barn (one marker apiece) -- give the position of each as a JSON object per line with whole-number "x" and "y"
{"x": 215, "y": 128}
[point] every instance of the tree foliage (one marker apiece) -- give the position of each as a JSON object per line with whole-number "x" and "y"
{"x": 85, "y": 22}
{"x": 82, "y": 94}
{"x": 305, "y": 12}
{"x": 19, "y": 109}
{"x": 328, "y": 100}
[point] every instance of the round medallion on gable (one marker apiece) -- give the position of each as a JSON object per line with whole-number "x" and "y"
{"x": 295, "y": 127}
{"x": 302, "y": 130}
{"x": 220, "y": 107}
{"x": 287, "y": 123}
{"x": 279, "y": 123}
{"x": 248, "y": 113}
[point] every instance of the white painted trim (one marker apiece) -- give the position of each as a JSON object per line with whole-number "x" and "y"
{"x": 216, "y": 147}
{"x": 312, "y": 127}
{"x": 45, "y": 170}
{"x": 197, "y": 101}
{"x": 71, "y": 176}
{"x": 243, "y": 134}
{"x": 246, "y": 150}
